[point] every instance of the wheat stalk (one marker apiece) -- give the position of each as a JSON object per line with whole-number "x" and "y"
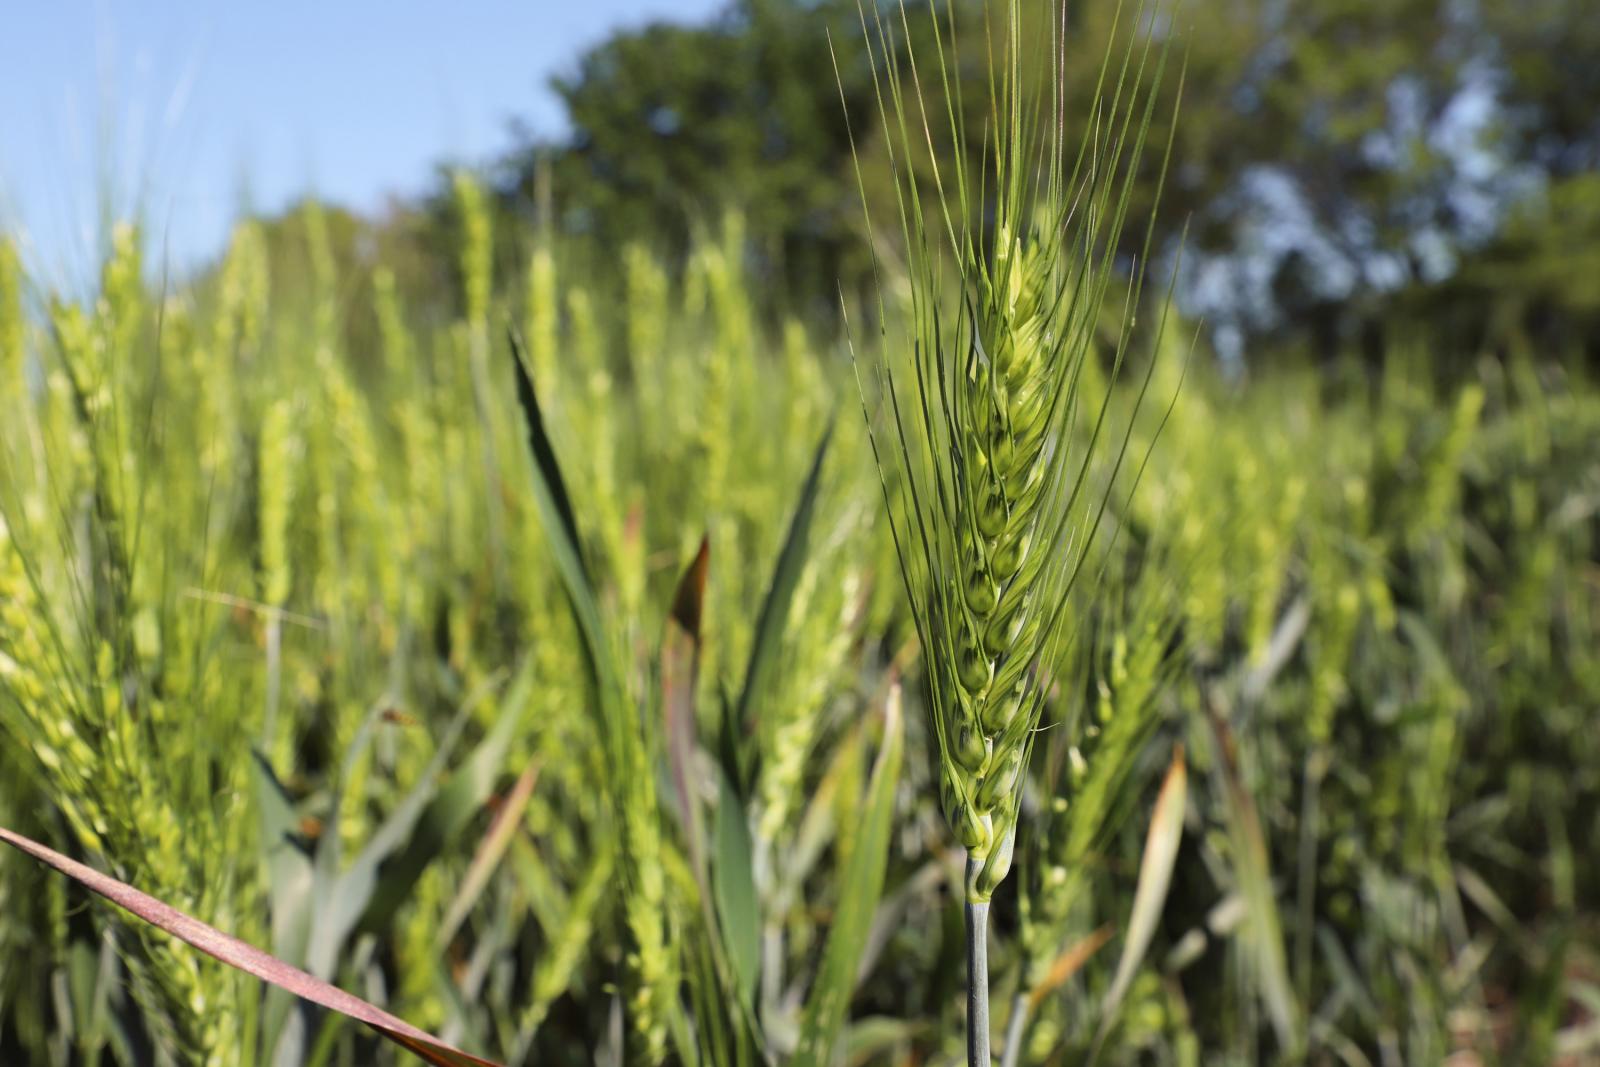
{"x": 994, "y": 443}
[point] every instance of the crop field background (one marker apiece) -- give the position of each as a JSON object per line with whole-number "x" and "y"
{"x": 497, "y": 609}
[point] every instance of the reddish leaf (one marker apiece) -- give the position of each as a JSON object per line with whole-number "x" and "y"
{"x": 680, "y": 667}
{"x": 490, "y": 851}
{"x": 1071, "y": 960}
{"x": 689, "y": 603}
{"x": 248, "y": 958}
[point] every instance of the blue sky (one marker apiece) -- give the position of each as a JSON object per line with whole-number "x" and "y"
{"x": 191, "y": 109}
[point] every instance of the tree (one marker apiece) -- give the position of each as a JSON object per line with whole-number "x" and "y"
{"x": 671, "y": 125}
{"x": 1336, "y": 163}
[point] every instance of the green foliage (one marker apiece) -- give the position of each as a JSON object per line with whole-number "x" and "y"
{"x": 1347, "y": 167}
{"x": 278, "y": 642}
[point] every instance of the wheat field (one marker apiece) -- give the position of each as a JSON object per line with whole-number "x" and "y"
{"x": 552, "y": 674}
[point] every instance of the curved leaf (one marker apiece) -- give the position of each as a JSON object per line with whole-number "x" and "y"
{"x": 248, "y": 958}
{"x": 561, "y": 529}
{"x": 767, "y": 646}
{"x": 391, "y": 872}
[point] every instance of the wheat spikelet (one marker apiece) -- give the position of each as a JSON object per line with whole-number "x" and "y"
{"x": 477, "y": 259}
{"x": 234, "y": 339}
{"x": 279, "y": 463}
{"x": 12, "y": 336}
{"x": 121, "y": 307}
{"x": 1087, "y": 773}
{"x": 652, "y": 975}
{"x": 245, "y": 284}
{"x": 824, "y": 623}
{"x": 647, "y": 289}
{"x": 21, "y": 652}
{"x": 96, "y": 670}
{"x": 997, "y": 446}
{"x": 543, "y": 316}
{"x": 554, "y": 972}
{"x": 416, "y": 501}
{"x": 399, "y": 351}
{"x": 324, "y": 283}
{"x": 476, "y": 248}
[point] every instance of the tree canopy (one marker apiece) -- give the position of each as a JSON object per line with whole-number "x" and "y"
{"x": 1338, "y": 165}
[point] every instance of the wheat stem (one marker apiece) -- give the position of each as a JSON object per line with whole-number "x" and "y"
{"x": 1016, "y": 1031}
{"x": 977, "y": 912}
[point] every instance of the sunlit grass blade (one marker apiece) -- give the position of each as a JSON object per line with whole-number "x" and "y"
{"x": 767, "y": 646}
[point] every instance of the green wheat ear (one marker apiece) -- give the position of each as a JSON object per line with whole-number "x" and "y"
{"x": 997, "y": 463}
